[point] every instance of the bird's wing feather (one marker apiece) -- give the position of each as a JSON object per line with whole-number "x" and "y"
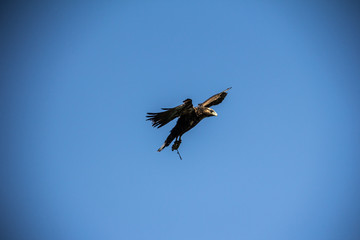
{"x": 162, "y": 118}
{"x": 216, "y": 99}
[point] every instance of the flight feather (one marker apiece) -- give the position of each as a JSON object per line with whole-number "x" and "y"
{"x": 216, "y": 99}
{"x": 162, "y": 118}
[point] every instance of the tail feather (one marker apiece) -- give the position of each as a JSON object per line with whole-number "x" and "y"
{"x": 161, "y": 148}
{"x": 167, "y": 142}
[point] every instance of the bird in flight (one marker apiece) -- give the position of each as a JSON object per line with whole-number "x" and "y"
{"x": 189, "y": 116}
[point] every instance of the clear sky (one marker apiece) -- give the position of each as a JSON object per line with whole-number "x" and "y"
{"x": 280, "y": 162}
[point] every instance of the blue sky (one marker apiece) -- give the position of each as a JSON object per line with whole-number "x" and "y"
{"x": 281, "y": 160}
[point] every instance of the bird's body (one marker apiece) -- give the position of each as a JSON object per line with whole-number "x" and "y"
{"x": 189, "y": 116}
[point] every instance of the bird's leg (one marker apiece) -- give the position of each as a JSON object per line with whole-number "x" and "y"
{"x": 176, "y": 144}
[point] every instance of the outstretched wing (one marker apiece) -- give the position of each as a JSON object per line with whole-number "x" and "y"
{"x": 162, "y": 118}
{"x": 216, "y": 99}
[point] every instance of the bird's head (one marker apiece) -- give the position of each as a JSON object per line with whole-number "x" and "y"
{"x": 210, "y": 112}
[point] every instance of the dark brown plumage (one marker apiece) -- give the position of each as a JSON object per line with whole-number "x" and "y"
{"x": 189, "y": 116}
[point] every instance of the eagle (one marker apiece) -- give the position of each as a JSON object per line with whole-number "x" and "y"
{"x": 188, "y": 117}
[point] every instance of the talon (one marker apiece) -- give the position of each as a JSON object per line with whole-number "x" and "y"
{"x": 176, "y": 145}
